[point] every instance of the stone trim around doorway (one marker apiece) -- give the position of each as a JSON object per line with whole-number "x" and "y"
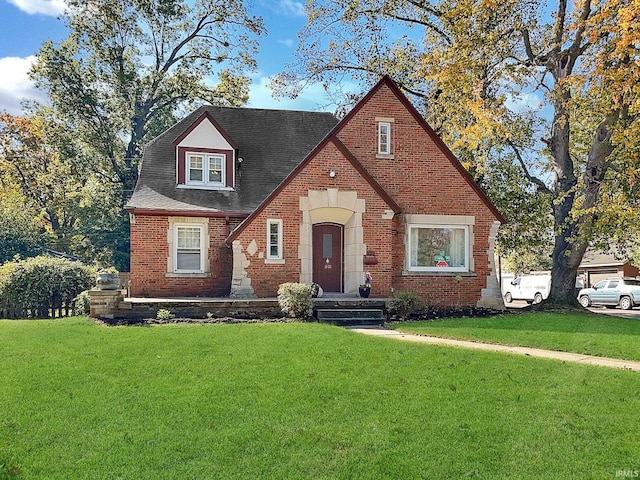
{"x": 343, "y": 208}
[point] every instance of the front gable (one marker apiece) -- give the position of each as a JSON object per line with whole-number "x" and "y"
{"x": 381, "y": 160}
{"x": 205, "y": 156}
{"x": 402, "y": 152}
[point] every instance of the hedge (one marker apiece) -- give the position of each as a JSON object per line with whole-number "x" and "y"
{"x": 40, "y": 286}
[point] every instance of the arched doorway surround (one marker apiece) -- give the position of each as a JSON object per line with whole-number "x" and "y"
{"x": 341, "y": 208}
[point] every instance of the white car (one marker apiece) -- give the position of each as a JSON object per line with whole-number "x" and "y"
{"x": 532, "y": 288}
{"x": 612, "y": 292}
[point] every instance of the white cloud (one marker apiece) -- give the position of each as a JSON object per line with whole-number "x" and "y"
{"x": 43, "y": 7}
{"x": 310, "y": 98}
{"x": 287, "y": 42}
{"x": 291, "y": 8}
{"x": 15, "y": 84}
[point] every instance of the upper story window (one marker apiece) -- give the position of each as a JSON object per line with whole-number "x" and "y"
{"x": 384, "y": 138}
{"x": 205, "y": 156}
{"x": 204, "y": 169}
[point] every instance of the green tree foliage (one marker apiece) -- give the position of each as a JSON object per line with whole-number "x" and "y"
{"x": 31, "y": 162}
{"x": 20, "y": 233}
{"x": 128, "y": 65}
{"x": 50, "y": 198}
{"x": 551, "y": 89}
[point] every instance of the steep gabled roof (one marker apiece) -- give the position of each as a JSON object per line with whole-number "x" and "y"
{"x": 270, "y": 142}
{"x": 386, "y": 81}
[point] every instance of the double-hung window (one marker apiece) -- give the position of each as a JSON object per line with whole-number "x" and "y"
{"x": 438, "y": 248}
{"x": 216, "y": 169}
{"x": 189, "y": 249}
{"x": 384, "y": 138}
{"x": 274, "y": 239}
{"x": 196, "y": 174}
{"x": 206, "y": 169}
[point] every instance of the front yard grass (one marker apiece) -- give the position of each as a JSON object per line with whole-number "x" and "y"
{"x": 78, "y": 400}
{"x": 586, "y": 333}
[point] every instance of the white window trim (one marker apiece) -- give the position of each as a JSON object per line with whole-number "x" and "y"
{"x": 386, "y": 151}
{"x": 206, "y": 158}
{"x": 203, "y": 247}
{"x": 274, "y": 221}
{"x": 467, "y": 249}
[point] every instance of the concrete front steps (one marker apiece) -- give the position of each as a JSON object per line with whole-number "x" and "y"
{"x": 351, "y": 316}
{"x": 349, "y": 311}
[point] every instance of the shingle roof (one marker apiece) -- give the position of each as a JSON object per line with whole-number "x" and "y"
{"x": 270, "y": 142}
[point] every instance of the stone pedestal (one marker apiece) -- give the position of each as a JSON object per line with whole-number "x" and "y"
{"x": 104, "y": 303}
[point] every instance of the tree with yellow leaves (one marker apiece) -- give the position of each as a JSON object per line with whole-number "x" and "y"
{"x": 550, "y": 89}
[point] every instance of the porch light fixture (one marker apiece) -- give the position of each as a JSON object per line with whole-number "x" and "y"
{"x": 332, "y": 173}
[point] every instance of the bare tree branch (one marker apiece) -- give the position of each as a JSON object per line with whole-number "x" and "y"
{"x": 535, "y": 180}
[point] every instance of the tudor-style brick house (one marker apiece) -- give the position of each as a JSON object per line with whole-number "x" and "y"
{"x": 236, "y": 201}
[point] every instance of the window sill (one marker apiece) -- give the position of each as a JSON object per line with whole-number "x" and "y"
{"x": 385, "y": 156}
{"x": 411, "y": 273}
{"x": 187, "y": 275}
{"x": 206, "y": 187}
{"x": 274, "y": 261}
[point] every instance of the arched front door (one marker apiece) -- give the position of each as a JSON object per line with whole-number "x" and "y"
{"x": 327, "y": 256}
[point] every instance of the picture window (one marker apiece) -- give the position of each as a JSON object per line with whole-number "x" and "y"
{"x": 438, "y": 248}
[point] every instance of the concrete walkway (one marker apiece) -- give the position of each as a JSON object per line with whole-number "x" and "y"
{"x": 526, "y": 351}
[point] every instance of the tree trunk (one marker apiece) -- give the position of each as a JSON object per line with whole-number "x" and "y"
{"x": 573, "y": 232}
{"x": 134, "y": 151}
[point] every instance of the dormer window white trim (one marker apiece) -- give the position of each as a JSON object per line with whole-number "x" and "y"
{"x": 205, "y": 169}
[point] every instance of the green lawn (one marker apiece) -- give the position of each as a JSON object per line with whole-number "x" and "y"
{"x": 304, "y": 401}
{"x": 587, "y": 333}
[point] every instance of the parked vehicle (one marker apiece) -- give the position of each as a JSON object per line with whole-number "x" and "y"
{"x": 612, "y": 292}
{"x": 533, "y": 288}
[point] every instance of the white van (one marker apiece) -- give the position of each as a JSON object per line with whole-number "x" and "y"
{"x": 533, "y": 288}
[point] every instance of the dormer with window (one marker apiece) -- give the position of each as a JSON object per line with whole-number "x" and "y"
{"x": 205, "y": 157}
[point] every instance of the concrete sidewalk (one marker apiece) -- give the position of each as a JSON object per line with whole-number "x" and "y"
{"x": 526, "y": 351}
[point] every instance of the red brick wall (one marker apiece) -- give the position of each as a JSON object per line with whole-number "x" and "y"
{"x": 149, "y": 252}
{"x": 422, "y": 180}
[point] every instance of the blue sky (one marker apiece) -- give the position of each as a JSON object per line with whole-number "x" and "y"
{"x": 26, "y": 24}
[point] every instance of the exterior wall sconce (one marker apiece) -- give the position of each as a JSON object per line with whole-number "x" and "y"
{"x": 332, "y": 173}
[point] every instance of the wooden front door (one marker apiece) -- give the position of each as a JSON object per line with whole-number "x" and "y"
{"x": 327, "y": 256}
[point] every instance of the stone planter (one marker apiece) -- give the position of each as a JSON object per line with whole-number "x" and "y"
{"x": 108, "y": 281}
{"x": 364, "y": 291}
